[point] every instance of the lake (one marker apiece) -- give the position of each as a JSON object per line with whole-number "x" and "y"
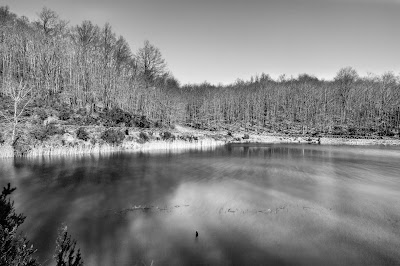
{"x": 250, "y": 204}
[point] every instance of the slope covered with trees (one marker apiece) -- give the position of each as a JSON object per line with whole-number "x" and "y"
{"x": 347, "y": 105}
{"x": 87, "y": 68}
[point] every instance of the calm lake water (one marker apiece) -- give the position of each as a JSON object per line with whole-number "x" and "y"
{"x": 252, "y": 205}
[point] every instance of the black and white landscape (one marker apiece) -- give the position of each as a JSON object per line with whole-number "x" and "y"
{"x": 172, "y": 132}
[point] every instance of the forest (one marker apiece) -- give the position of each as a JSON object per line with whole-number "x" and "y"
{"x": 48, "y": 63}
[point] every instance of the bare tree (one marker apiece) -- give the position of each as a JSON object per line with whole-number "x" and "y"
{"x": 150, "y": 62}
{"x": 50, "y": 22}
{"x": 345, "y": 78}
{"x": 122, "y": 53}
{"x": 21, "y": 95}
{"x": 86, "y": 35}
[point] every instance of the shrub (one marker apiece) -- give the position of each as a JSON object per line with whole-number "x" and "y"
{"x": 82, "y": 134}
{"x": 112, "y": 136}
{"x": 39, "y": 134}
{"x": 142, "y": 122}
{"x": 82, "y": 112}
{"x": 52, "y": 129}
{"x": 197, "y": 126}
{"x": 14, "y": 248}
{"x": 65, "y": 112}
{"x": 90, "y": 120}
{"x": 390, "y": 134}
{"x": 77, "y": 120}
{"x": 167, "y": 135}
{"x": 385, "y": 133}
{"x": 338, "y": 130}
{"x": 41, "y": 113}
{"x": 116, "y": 116}
{"x": 66, "y": 254}
{"x": 21, "y": 147}
{"x": 158, "y": 123}
{"x": 246, "y": 136}
{"x": 315, "y": 134}
{"x": 144, "y": 137}
{"x": 352, "y": 130}
{"x": 43, "y": 133}
{"x": 2, "y": 140}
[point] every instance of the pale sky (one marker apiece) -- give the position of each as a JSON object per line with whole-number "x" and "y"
{"x": 221, "y": 40}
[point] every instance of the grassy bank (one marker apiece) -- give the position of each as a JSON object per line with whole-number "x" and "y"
{"x": 180, "y": 138}
{"x": 6, "y": 151}
{"x": 120, "y": 139}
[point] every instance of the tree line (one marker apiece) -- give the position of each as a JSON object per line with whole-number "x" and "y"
{"x": 349, "y": 104}
{"x": 90, "y": 66}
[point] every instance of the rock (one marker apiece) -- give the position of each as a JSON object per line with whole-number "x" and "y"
{"x": 68, "y": 138}
{"x": 50, "y": 120}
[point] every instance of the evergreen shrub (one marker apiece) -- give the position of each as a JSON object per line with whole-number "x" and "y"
{"x": 113, "y": 136}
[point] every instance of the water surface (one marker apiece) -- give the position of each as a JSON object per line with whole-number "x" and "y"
{"x": 251, "y": 204}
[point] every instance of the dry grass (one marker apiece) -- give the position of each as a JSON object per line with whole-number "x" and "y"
{"x": 6, "y": 151}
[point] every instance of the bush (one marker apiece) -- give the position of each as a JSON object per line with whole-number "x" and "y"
{"x": 90, "y": 120}
{"x": 65, "y": 112}
{"x": 144, "y": 137}
{"x": 390, "y": 134}
{"x": 21, "y": 146}
{"x": 14, "y": 248}
{"x": 82, "y": 134}
{"x": 43, "y": 133}
{"x": 246, "y": 136}
{"x": 386, "y": 133}
{"x": 158, "y": 123}
{"x": 2, "y": 140}
{"x": 142, "y": 122}
{"x": 112, "y": 136}
{"x": 315, "y": 134}
{"x": 352, "y": 130}
{"x": 82, "y": 112}
{"x": 39, "y": 134}
{"x": 167, "y": 135}
{"x": 338, "y": 130}
{"x": 41, "y": 113}
{"x": 65, "y": 254}
{"x": 52, "y": 129}
{"x": 116, "y": 116}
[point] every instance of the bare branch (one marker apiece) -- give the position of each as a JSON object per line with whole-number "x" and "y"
{"x": 8, "y": 119}
{"x": 23, "y": 108}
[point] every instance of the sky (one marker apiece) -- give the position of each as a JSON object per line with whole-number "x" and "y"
{"x": 220, "y": 41}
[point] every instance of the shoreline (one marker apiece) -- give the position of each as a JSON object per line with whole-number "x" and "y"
{"x": 321, "y": 140}
{"x": 129, "y": 146}
{"x": 205, "y": 140}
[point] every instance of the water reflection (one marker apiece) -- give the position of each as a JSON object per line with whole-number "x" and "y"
{"x": 251, "y": 204}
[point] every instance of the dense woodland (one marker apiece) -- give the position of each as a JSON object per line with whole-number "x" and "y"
{"x": 89, "y": 66}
